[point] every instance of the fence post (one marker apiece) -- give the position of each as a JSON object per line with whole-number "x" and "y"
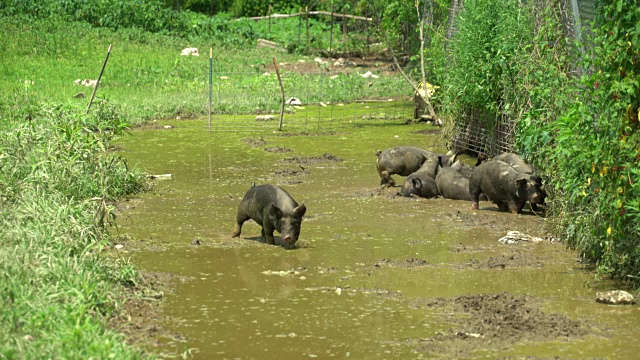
{"x": 331, "y": 33}
{"x": 275, "y": 65}
{"x": 299, "y": 24}
{"x": 306, "y": 10}
{"x": 95, "y": 88}
{"x": 210, "y": 83}
{"x": 269, "y": 15}
{"x": 344, "y": 27}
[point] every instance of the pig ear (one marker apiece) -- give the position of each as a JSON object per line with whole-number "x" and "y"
{"x": 454, "y": 158}
{"x": 300, "y": 210}
{"x": 520, "y": 181}
{"x": 417, "y": 183}
{"x": 275, "y": 211}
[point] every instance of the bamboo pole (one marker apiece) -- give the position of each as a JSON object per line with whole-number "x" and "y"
{"x": 95, "y": 88}
{"x": 275, "y": 65}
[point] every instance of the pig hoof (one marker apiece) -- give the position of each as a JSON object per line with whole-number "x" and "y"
{"x": 474, "y": 205}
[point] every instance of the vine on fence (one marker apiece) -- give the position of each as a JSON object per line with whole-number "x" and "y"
{"x": 595, "y": 149}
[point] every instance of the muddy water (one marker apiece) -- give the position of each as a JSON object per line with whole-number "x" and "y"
{"x": 375, "y": 276}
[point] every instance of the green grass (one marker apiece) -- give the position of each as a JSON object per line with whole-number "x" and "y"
{"x": 146, "y": 77}
{"x": 57, "y": 286}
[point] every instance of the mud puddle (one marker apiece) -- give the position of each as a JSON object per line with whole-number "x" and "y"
{"x": 377, "y": 275}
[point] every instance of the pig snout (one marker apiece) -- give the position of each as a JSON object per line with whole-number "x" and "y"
{"x": 539, "y": 195}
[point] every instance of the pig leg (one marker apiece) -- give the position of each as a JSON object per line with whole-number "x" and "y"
{"x": 475, "y": 198}
{"x": 267, "y": 233}
{"x": 474, "y": 191}
{"x": 240, "y": 219}
{"x": 503, "y": 206}
{"x": 516, "y": 207}
{"x": 386, "y": 180}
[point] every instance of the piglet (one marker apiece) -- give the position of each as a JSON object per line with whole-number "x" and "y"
{"x": 273, "y": 209}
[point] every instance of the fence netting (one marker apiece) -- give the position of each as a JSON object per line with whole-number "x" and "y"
{"x": 477, "y": 132}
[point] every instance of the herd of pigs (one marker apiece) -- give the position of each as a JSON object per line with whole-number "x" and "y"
{"x": 505, "y": 180}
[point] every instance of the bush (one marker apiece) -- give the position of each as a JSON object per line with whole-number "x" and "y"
{"x": 594, "y": 149}
{"x": 489, "y": 37}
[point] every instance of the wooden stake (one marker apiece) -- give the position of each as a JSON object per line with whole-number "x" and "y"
{"x": 269, "y": 15}
{"x": 331, "y": 33}
{"x": 99, "y": 77}
{"x": 210, "y": 83}
{"x": 306, "y": 10}
{"x": 275, "y": 64}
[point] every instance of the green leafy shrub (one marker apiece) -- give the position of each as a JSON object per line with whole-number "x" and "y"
{"x": 593, "y": 152}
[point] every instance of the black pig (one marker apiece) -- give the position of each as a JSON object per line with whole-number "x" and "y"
{"x": 504, "y": 186}
{"x": 453, "y": 182}
{"x": 274, "y": 209}
{"x": 516, "y": 162}
{"x": 405, "y": 160}
{"x": 421, "y": 183}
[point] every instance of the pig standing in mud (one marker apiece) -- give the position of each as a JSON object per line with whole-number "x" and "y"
{"x": 421, "y": 183}
{"x": 405, "y": 160}
{"x": 504, "y": 186}
{"x": 274, "y": 209}
{"x": 517, "y": 163}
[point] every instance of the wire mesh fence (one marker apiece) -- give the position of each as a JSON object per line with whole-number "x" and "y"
{"x": 315, "y": 101}
{"x": 471, "y": 131}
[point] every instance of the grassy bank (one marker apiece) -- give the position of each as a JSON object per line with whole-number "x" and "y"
{"x": 57, "y": 285}
{"x": 148, "y": 78}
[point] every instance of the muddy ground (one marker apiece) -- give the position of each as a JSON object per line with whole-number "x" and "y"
{"x": 477, "y": 321}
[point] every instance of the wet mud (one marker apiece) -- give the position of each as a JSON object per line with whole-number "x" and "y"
{"x": 497, "y": 321}
{"x": 307, "y": 160}
{"x": 277, "y": 149}
{"x": 373, "y": 275}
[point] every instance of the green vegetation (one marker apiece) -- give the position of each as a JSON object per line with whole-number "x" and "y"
{"x": 57, "y": 177}
{"x": 57, "y": 181}
{"x": 148, "y": 78}
{"x": 593, "y": 149}
{"x": 580, "y": 132}
{"x": 138, "y": 17}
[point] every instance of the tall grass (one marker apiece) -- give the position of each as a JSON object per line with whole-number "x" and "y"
{"x": 57, "y": 286}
